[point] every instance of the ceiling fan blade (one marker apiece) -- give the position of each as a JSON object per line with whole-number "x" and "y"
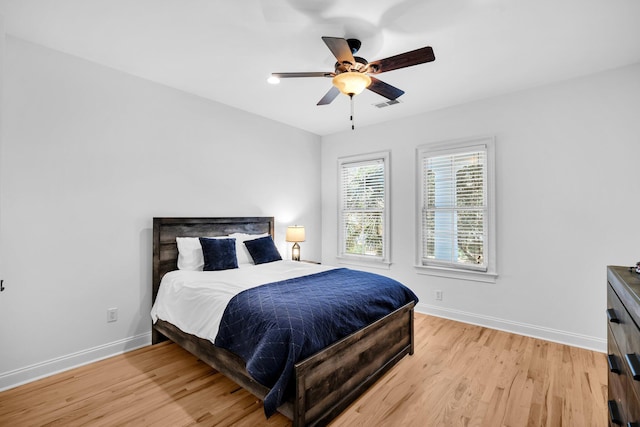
{"x": 329, "y": 96}
{"x": 384, "y": 89}
{"x": 340, "y": 49}
{"x": 407, "y": 59}
{"x": 303, "y": 74}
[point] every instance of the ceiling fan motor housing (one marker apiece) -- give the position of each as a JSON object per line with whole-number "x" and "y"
{"x": 360, "y": 66}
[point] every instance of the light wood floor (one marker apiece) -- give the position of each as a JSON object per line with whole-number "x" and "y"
{"x": 460, "y": 375}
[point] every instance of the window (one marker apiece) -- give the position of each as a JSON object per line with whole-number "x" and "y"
{"x": 363, "y": 223}
{"x": 456, "y": 219}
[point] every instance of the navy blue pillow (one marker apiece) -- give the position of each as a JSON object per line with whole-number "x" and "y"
{"x": 263, "y": 250}
{"x": 219, "y": 254}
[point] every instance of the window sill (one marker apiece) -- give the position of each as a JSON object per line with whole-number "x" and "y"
{"x": 475, "y": 276}
{"x": 384, "y": 265}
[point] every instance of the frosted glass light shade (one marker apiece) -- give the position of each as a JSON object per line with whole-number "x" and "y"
{"x": 351, "y": 83}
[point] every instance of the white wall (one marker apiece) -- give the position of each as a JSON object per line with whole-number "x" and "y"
{"x": 568, "y": 202}
{"x": 89, "y": 155}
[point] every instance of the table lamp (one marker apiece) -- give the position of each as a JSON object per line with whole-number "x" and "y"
{"x": 295, "y": 233}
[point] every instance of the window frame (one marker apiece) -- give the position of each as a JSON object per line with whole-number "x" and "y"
{"x": 383, "y": 261}
{"x": 444, "y": 269}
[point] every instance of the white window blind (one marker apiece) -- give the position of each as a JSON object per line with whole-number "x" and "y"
{"x": 455, "y": 210}
{"x": 363, "y": 207}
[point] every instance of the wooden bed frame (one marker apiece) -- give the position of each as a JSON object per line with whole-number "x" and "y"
{"x": 325, "y": 383}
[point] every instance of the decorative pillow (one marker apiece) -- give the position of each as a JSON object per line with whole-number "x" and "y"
{"x": 189, "y": 254}
{"x": 219, "y": 254}
{"x": 242, "y": 253}
{"x": 263, "y": 250}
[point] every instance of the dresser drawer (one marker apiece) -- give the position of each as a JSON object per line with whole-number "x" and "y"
{"x": 631, "y": 405}
{"x": 617, "y": 383}
{"x": 624, "y": 329}
{"x": 624, "y": 404}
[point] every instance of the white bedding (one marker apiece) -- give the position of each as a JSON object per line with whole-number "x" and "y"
{"x": 194, "y": 301}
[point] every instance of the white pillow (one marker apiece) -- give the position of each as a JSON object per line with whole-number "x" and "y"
{"x": 190, "y": 254}
{"x": 242, "y": 253}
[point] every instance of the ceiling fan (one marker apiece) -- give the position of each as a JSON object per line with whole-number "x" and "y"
{"x": 352, "y": 73}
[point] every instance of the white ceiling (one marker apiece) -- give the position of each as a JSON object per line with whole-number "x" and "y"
{"x": 225, "y": 50}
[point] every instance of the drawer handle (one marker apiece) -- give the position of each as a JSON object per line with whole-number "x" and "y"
{"x": 614, "y": 413}
{"x": 611, "y": 314}
{"x": 634, "y": 365}
{"x": 613, "y": 364}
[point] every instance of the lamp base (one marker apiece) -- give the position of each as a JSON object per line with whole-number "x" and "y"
{"x": 295, "y": 252}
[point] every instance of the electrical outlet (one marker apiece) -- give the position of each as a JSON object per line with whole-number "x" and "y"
{"x": 438, "y": 295}
{"x": 112, "y": 314}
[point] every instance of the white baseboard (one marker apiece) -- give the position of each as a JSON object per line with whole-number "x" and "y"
{"x": 50, "y": 367}
{"x": 535, "y": 331}
{"x": 47, "y": 368}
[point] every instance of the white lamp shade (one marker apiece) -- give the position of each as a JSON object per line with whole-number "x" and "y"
{"x": 295, "y": 233}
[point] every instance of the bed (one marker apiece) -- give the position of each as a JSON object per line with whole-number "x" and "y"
{"x": 326, "y": 382}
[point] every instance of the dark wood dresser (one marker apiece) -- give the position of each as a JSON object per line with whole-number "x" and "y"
{"x": 623, "y": 341}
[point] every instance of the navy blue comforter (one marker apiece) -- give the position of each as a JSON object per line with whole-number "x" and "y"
{"x": 274, "y": 326}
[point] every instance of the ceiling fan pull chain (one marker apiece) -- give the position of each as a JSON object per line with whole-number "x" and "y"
{"x": 351, "y": 100}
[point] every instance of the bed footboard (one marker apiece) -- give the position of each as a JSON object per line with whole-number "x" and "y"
{"x": 329, "y": 381}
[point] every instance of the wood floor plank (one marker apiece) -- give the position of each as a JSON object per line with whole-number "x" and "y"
{"x": 460, "y": 375}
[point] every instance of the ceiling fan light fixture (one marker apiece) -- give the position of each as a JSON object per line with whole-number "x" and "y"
{"x": 351, "y": 83}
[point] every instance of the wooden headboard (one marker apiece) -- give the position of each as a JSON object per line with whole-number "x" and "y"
{"x": 165, "y": 231}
